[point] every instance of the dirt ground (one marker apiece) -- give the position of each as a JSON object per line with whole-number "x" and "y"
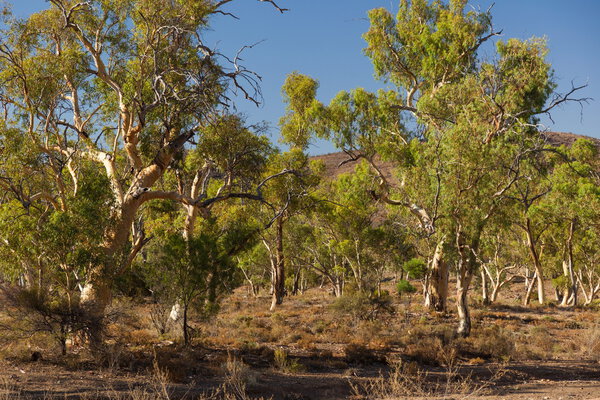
{"x": 554, "y": 356}
{"x": 523, "y": 381}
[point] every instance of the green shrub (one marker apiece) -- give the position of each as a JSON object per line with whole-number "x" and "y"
{"x": 415, "y": 268}
{"x": 404, "y": 287}
{"x": 561, "y": 282}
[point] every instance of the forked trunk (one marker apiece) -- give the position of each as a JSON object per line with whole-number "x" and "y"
{"x": 535, "y": 258}
{"x": 530, "y": 283}
{"x": 97, "y": 292}
{"x": 467, "y": 265}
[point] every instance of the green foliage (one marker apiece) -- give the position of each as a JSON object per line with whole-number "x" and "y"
{"x": 561, "y": 282}
{"x": 432, "y": 41}
{"x": 198, "y": 270}
{"x": 405, "y": 287}
{"x": 302, "y": 111}
{"x": 415, "y": 268}
{"x": 284, "y": 363}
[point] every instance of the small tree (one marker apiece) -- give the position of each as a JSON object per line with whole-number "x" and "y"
{"x": 197, "y": 271}
{"x": 405, "y": 287}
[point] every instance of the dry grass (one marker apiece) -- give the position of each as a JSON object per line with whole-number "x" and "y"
{"x": 307, "y": 335}
{"x": 405, "y": 380}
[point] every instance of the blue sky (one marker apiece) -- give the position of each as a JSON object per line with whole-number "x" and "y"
{"x": 322, "y": 38}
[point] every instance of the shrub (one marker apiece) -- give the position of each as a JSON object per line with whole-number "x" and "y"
{"x": 404, "y": 287}
{"x": 561, "y": 282}
{"x": 286, "y": 364}
{"x": 53, "y": 313}
{"x": 160, "y": 316}
{"x": 494, "y": 342}
{"x": 415, "y": 268}
{"x": 364, "y": 306}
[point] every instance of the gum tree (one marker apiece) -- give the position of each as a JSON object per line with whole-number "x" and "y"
{"x": 572, "y": 208}
{"x": 125, "y": 85}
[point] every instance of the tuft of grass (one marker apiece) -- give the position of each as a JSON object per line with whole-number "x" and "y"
{"x": 284, "y": 363}
{"x": 493, "y": 342}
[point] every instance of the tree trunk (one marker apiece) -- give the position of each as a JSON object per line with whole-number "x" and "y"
{"x": 494, "y": 295}
{"x": 186, "y": 328}
{"x": 338, "y": 285}
{"x": 530, "y": 285}
{"x": 570, "y": 268}
{"x": 96, "y": 294}
{"x": 535, "y": 258}
{"x": 484, "y": 288}
{"x": 97, "y": 291}
{"x": 462, "y": 302}
{"x": 540, "y": 288}
{"x": 296, "y": 286}
{"x": 466, "y": 268}
{"x": 278, "y": 269}
{"x": 437, "y": 284}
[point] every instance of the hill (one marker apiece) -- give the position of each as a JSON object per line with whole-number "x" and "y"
{"x": 333, "y": 168}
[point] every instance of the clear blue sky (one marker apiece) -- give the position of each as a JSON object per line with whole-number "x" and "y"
{"x": 322, "y": 38}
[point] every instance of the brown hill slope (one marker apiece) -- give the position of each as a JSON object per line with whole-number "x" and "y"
{"x": 566, "y": 138}
{"x": 332, "y": 161}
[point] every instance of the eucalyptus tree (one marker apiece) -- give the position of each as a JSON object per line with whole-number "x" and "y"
{"x": 458, "y": 124}
{"x": 572, "y": 207}
{"x": 588, "y": 257}
{"x": 285, "y": 198}
{"x": 500, "y": 257}
{"x": 197, "y": 271}
{"x": 125, "y": 85}
{"x": 318, "y": 253}
{"x": 43, "y": 253}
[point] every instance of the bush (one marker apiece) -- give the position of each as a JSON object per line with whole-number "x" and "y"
{"x": 364, "y": 306}
{"x": 493, "y": 342}
{"x": 286, "y": 364}
{"x": 404, "y": 287}
{"x": 561, "y": 282}
{"x": 51, "y": 313}
{"x": 415, "y": 268}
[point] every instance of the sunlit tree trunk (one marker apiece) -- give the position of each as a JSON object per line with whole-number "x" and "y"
{"x": 484, "y": 288}
{"x": 437, "y": 284}
{"x": 463, "y": 282}
{"x": 535, "y": 258}
{"x": 466, "y": 267}
{"x": 278, "y": 265}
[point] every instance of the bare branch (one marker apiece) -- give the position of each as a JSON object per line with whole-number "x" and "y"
{"x": 281, "y": 10}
